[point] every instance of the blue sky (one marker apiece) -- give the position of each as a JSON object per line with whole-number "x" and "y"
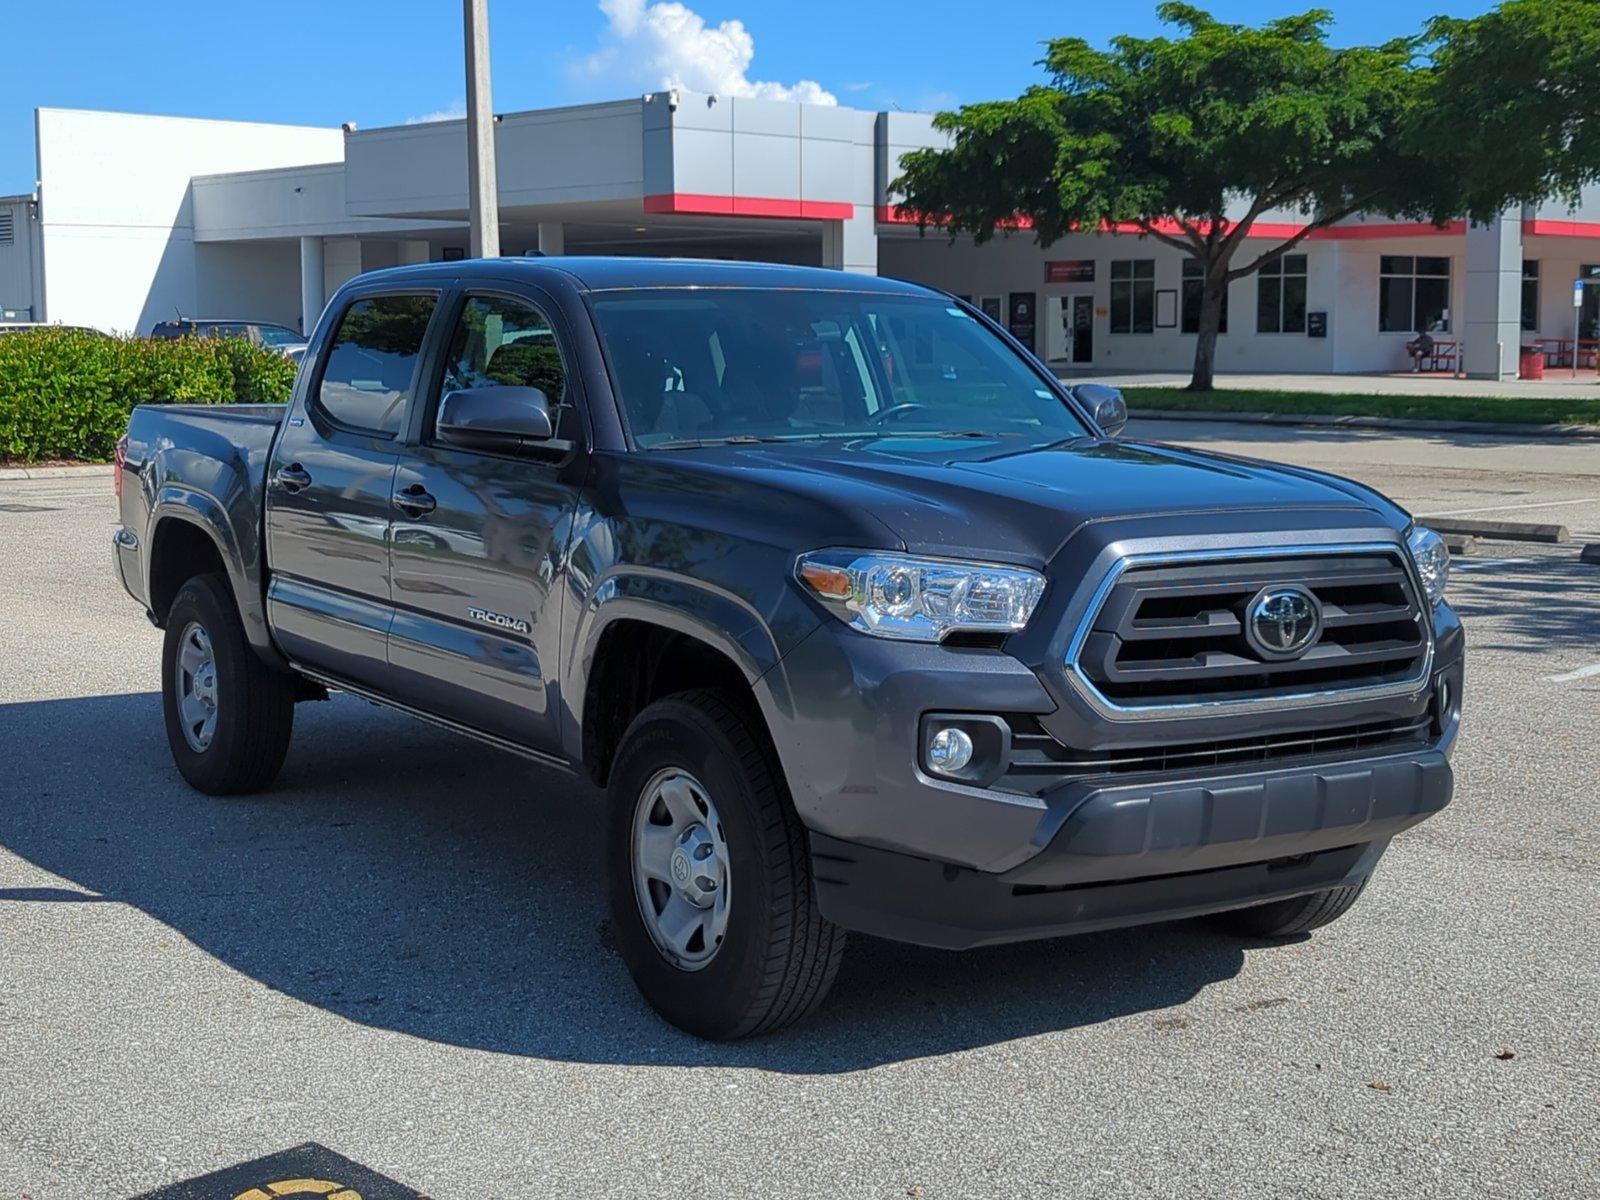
{"x": 383, "y": 63}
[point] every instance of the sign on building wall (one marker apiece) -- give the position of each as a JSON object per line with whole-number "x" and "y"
{"x": 1023, "y": 318}
{"x": 1069, "y": 270}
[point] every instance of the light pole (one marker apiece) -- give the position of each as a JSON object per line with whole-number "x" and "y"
{"x": 483, "y": 197}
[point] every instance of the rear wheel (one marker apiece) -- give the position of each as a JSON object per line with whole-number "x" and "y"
{"x": 228, "y": 714}
{"x": 1285, "y": 918}
{"x": 710, "y": 875}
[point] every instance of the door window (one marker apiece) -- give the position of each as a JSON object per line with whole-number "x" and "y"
{"x": 499, "y": 341}
{"x": 372, "y": 362}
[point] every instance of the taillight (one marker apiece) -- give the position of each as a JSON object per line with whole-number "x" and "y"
{"x": 122, "y": 458}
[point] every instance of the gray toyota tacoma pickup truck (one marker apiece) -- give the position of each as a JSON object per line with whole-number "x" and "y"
{"x": 864, "y": 620}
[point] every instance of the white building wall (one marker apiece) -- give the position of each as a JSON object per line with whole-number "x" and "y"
{"x": 255, "y": 279}
{"x": 117, "y": 221}
{"x": 584, "y": 153}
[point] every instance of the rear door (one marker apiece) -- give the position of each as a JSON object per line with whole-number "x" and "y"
{"x": 479, "y": 538}
{"x": 330, "y": 489}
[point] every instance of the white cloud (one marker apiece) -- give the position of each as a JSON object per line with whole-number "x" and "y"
{"x": 666, "y": 45}
{"x": 452, "y": 112}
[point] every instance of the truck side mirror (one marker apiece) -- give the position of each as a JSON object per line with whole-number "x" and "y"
{"x": 1105, "y": 405}
{"x": 499, "y": 418}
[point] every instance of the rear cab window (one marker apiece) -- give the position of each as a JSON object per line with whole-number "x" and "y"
{"x": 372, "y": 362}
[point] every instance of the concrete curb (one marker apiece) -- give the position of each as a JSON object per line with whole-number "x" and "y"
{"x": 1504, "y": 531}
{"x": 77, "y": 471}
{"x": 1488, "y": 428}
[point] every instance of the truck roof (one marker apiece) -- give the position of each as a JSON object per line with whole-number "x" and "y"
{"x": 608, "y": 273}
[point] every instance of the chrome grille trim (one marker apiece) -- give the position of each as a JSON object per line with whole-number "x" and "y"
{"x": 1084, "y": 687}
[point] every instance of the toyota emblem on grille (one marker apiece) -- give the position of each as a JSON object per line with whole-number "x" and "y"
{"x": 1283, "y": 621}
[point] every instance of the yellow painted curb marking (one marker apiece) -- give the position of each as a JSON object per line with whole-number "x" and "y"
{"x": 300, "y": 1187}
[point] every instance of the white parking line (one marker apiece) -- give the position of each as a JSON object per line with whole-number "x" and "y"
{"x": 1466, "y": 512}
{"x": 1570, "y": 676}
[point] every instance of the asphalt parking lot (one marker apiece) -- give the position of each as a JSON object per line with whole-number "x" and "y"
{"x": 400, "y": 953}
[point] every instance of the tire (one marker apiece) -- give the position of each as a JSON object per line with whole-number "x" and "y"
{"x": 1286, "y": 918}
{"x": 251, "y": 705}
{"x": 776, "y": 956}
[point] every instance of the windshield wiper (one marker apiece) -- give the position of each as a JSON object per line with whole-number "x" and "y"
{"x": 741, "y": 439}
{"x": 943, "y": 433}
{"x": 820, "y": 435}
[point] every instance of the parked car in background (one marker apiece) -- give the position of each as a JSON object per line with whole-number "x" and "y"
{"x": 35, "y": 326}
{"x": 291, "y": 343}
{"x": 864, "y": 618}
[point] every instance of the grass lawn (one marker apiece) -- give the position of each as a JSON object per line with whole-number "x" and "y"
{"x": 1533, "y": 410}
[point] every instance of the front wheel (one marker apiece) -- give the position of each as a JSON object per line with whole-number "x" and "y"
{"x": 710, "y": 875}
{"x": 1286, "y": 918}
{"x": 228, "y": 714}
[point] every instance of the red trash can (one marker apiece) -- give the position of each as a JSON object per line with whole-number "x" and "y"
{"x": 1531, "y": 363}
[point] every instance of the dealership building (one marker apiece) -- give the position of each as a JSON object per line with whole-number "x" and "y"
{"x": 137, "y": 218}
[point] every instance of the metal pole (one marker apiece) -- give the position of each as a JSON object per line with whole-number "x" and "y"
{"x": 483, "y": 197}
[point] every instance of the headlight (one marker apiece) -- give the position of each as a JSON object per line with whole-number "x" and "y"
{"x": 1432, "y": 557}
{"x": 919, "y": 599}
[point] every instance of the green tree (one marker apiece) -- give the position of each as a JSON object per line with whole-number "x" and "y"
{"x": 1190, "y": 140}
{"x": 1514, "y": 103}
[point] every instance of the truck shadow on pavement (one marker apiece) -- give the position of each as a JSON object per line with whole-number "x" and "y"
{"x": 408, "y": 880}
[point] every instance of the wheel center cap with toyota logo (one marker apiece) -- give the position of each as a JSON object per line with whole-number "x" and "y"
{"x": 1282, "y": 622}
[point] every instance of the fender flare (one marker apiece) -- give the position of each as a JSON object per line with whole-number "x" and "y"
{"x": 726, "y": 623}
{"x": 176, "y": 503}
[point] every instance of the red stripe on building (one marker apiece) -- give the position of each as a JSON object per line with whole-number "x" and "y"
{"x": 700, "y": 205}
{"x": 1379, "y": 229}
{"x": 1578, "y": 229}
{"x": 893, "y": 214}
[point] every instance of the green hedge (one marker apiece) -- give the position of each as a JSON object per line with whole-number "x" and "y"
{"x": 66, "y": 395}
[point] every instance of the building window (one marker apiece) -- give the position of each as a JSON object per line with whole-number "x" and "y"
{"x": 1194, "y": 282}
{"x": 1281, "y": 296}
{"x": 1133, "y": 295}
{"x": 1530, "y": 294}
{"x": 1413, "y": 294}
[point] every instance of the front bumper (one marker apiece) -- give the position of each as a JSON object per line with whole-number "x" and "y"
{"x": 1151, "y": 851}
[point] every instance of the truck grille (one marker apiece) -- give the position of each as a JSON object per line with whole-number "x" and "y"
{"x": 1172, "y": 634}
{"x": 1035, "y": 754}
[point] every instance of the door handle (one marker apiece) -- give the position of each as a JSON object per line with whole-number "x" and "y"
{"x": 415, "y": 501}
{"x": 293, "y": 478}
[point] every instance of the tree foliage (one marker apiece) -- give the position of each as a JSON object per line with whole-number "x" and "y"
{"x": 1513, "y": 112}
{"x": 1191, "y": 139}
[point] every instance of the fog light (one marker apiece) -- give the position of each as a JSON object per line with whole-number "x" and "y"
{"x": 949, "y": 750}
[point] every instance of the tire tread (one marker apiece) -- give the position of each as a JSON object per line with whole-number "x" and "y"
{"x": 1296, "y": 915}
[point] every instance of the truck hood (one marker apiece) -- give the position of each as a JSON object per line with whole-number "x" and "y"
{"x": 986, "y": 498}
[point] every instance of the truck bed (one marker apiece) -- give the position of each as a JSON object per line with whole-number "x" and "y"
{"x": 206, "y": 462}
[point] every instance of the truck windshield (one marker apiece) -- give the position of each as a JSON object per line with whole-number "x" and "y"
{"x": 740, "y": 364}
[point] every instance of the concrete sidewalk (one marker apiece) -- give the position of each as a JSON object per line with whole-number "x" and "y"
{"x": 1558, "y": 384}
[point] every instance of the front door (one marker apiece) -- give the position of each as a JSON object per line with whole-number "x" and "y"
{"x": 478, "y": 539}
{"x": 329, "y": 489}
{"x": 1078, "y": 313}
